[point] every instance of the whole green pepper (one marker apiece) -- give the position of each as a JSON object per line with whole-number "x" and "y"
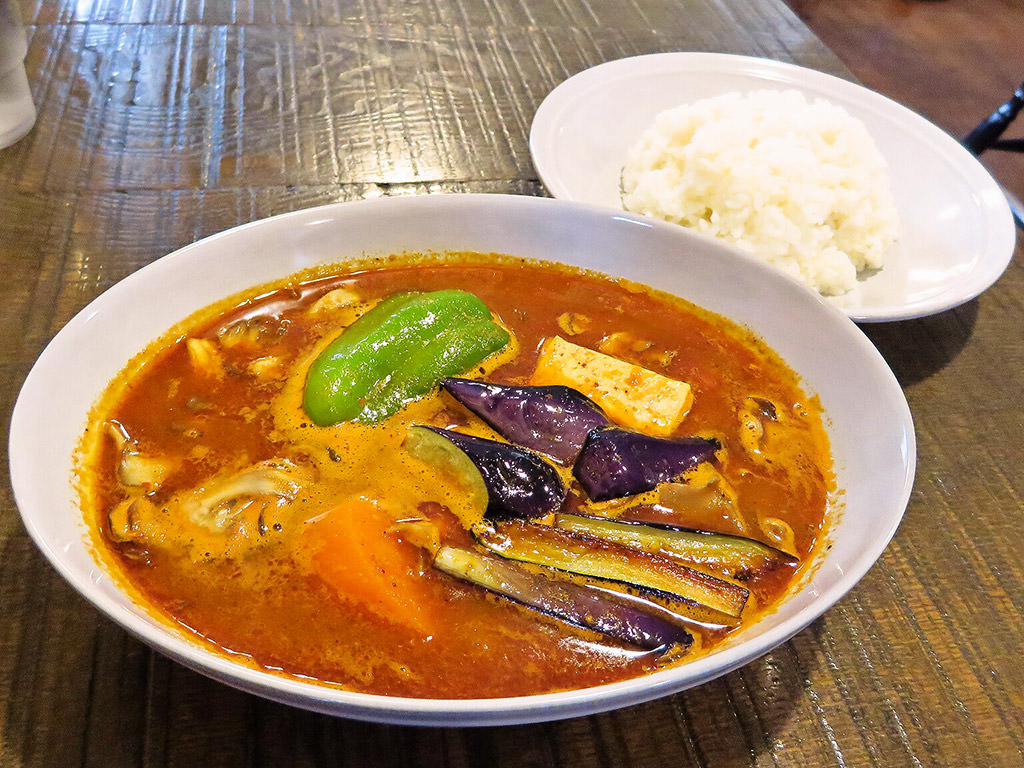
{"x": 398, "y": 350}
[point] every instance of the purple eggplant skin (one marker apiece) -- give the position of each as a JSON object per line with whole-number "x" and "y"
{"x": 553, "y": 420}
{"x": 616, "y": 462}
{"x": 633, "y": 620}
{"x": 520, "y": 484}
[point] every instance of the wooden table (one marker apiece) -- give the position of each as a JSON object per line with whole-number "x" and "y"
{"x": 162, "y": 121}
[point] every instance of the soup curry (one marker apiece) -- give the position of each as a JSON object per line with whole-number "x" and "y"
{"x": 653, "y": 480}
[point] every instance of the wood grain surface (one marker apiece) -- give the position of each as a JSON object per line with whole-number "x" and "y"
{"x": 953, "y": 62}
{"x": 163, "y": 121}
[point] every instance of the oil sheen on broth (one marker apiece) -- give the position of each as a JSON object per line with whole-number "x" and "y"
{"x": 308, "y": 550}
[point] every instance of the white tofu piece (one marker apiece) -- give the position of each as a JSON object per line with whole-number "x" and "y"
{"x": 631, "y": 395}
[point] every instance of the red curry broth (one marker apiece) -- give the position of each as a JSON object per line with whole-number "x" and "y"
{"x": 275, "y": 602}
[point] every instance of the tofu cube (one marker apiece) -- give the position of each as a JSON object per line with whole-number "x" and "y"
{"x": 631, "y": 395}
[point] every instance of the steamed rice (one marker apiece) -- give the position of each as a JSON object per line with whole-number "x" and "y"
{"x": 799, "y": 184}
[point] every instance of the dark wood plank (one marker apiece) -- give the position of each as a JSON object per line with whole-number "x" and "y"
{"x": 162, "y": 121}
{"x": 953, "y": 62}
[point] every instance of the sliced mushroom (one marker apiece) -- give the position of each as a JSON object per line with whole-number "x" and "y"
{"x": 339, "y": 298}
{"x": 266, "y": 368}
{"x": 221, "y": 501}
{"x": 205, "y": 358}
{"x": 251, "y": 332}
{"x": 573, "y": 323}
{"x": 135, "y": 469}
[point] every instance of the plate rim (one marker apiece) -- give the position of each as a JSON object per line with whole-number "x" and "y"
{"x": 1000, "y": 229}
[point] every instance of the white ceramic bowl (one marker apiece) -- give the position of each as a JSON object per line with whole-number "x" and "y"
{"x": 868, "y": 419}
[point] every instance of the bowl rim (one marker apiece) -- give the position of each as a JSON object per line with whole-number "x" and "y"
{"x": 311, "y": 695}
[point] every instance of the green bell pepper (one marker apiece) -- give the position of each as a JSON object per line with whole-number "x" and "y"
{"x": 399, "y": 350}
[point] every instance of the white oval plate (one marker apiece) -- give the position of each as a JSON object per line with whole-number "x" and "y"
{"x": 868, "y": 420}
{"x": 956, "y": 231}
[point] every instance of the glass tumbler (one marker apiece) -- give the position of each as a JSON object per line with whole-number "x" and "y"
{"x": 17, "y": 112}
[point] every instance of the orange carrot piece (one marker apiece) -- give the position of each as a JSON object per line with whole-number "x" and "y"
{"x": 369, "y": 565}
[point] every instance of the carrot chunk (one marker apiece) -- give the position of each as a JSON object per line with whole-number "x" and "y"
{"x": 358, "y": 553}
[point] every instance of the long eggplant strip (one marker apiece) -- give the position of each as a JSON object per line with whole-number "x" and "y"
{"x": 695, "y": 616}
{"x": 590, "y": 556}
{"x": 636, "y": 622}
{"x": 732, "y": 556}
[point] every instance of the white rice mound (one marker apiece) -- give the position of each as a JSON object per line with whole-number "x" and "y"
{"x": 800, "y": 184}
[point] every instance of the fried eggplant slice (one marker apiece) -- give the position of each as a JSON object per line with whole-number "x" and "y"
{"x": 631, "y": 620}
{"x": 519, "y": 485}
{"x": 553, "y": 420}
{"x": 733, "y": 556}
{"x": 590, "y": 556}
{"x": 617, "y": 462}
